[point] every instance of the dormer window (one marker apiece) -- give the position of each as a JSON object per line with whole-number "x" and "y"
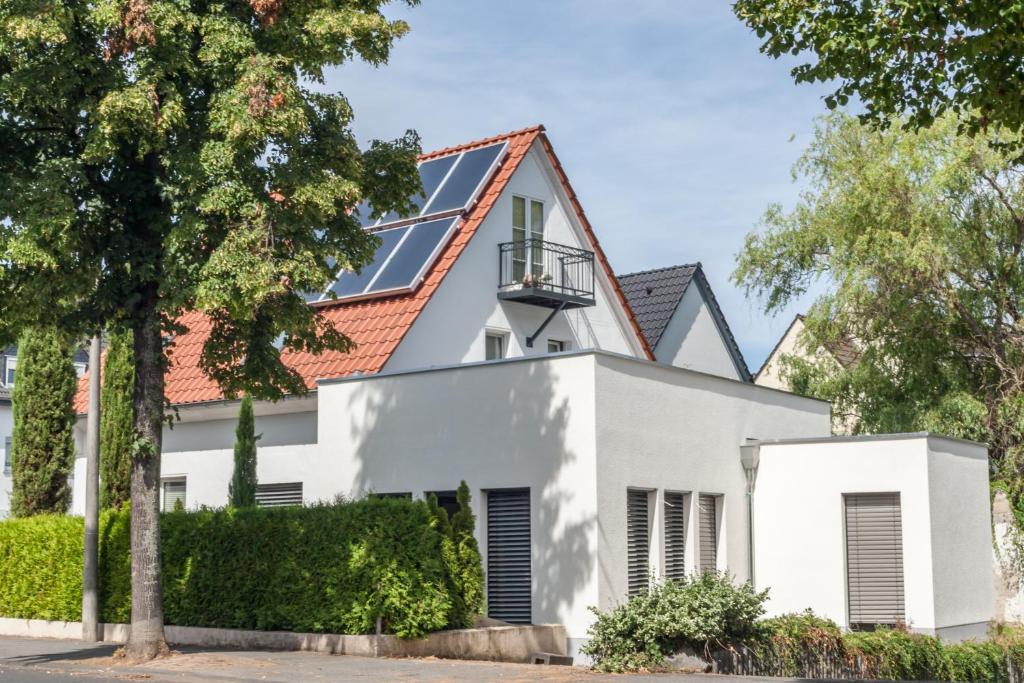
{"x": 527, "y": 224}
{"x": 9, "y": 370}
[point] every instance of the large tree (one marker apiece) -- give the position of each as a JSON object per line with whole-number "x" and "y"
{"x": 117, "y": 423}
{"x": 44, "y": 420}
{"x": 166, "y": 155}
{"x": 917, "y": 238}
{"x": 917, "y": 58}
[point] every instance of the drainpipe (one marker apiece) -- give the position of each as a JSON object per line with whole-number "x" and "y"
{"x": 750, "y": 456}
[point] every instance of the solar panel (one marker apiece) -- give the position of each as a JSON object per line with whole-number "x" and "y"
{"x": 450, "y": 183}
{"x": 399, "y": 263}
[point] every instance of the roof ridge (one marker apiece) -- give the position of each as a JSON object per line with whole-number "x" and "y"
{"x": 695, "y": 264}
{"x": 444, "y": 151}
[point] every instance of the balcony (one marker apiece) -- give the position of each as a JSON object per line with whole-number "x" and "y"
{"x": 545, "y": 274}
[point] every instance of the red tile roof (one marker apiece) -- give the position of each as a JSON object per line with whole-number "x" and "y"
{"x": 376, "y": 326}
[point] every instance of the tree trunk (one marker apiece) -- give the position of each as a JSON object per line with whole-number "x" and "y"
{"x": 147, "y": 633}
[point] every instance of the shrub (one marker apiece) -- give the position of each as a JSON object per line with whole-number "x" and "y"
{"x": 242, "y": 488}
{"x": 349, "y": 567}
{"x": 705, "y": 610}
{"x": 461, "y": 555}
{"x": 117, "y": 421}
{"x": 796, "y": 644}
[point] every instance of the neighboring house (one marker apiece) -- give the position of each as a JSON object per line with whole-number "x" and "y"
{"x": 792, "y": 344}
{"x": 8, "y": 374}
{"x": 682, "y": 321}
{"x": 494, "y": 344}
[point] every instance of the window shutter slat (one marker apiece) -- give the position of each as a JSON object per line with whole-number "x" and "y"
{"x": 874, "y": 559}
{"x": 279, "y": 495}
{"x": 675, "y": 536}
{"x": 509, "y": 592}
{"x": 638, "y": 545}
{"x": 708, "y": 533}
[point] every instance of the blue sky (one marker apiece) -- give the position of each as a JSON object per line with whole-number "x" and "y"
{"x": 675, "y": 131}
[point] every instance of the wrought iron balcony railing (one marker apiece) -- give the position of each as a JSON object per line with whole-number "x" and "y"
{"x": 545, "y": 274}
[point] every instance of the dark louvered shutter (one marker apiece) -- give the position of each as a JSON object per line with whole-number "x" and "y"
{"x": 279, "y": 495}
{"x": 638, "y": 545}
{"x": 874, "y": 559}
{"x": 508, "y": 556}
{"x": 675, "y": 535}
{"x": 708, "y": 533}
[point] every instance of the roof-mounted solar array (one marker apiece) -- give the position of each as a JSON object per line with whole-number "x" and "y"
{"x": 410, "y": 244}
{"x": 450, "y": 184}
{"x": 399, "y": 264}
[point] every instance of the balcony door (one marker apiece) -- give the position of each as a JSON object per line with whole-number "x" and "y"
{"x": 527, "y": 224}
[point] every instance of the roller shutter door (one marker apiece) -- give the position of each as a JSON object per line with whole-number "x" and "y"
{"x": 874, "y": 559}
{"x": 509, "y": 591}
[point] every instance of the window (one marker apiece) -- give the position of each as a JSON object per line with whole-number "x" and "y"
{"x": 7, "y": 454}
{"x": 675, "y": 535}
{"x": 79, "y": 369}
{"x": 638, "y": 542}
{"x": 12, "y": 364}
{"x": 527, "y": 224}
{"x": 446, "y": 500}
{"x": 509, "y": 595}
{"x": 874, "y": 560}
{"x": 556, "y": 346}
{"x": 173, "y": 494}
{"x": 279, "y": 495}
{"x": 708, "y": 520}
{"x": 494, "y": 343}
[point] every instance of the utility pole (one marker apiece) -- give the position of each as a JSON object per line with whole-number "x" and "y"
{"x": 90, "y": 570}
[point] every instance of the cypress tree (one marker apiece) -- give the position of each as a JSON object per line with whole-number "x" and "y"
{"x": 117, "y": 421}
{"x": 242, "y": 489}
{"x": 43, "y": 448}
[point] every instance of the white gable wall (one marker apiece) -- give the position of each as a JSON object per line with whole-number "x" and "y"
{"x": 693, "y": 340}
{"x": 452, "y": 326}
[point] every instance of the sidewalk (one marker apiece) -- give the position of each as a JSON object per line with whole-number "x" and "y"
{"x": 31, "y": 660}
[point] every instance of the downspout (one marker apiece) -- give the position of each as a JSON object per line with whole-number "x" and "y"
{"x": 750, "y": 456}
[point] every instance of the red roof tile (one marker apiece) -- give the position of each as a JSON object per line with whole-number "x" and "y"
{"x": 377, "y": 326}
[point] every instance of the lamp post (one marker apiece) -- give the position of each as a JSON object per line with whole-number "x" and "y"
{"x": 90, "y": 572}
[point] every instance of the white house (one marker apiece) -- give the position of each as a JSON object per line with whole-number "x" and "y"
{"x": 601, "y": 441}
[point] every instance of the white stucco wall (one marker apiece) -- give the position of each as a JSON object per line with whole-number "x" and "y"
{"x": 799, "y": 523}
{"x": 693, "y": 340}
{"x": 770, "y": 374}
{"x": 666, "y": 429}
{"x": 452, "y": 326}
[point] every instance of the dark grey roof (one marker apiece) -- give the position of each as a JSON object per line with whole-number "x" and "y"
{"x": 654, "y": 296}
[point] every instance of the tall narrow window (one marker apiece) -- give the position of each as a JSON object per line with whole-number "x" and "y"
{"x": 494, "y": 346}
{"x": 708, "y": 532}
{"x": 7, "y": 455}
{"x": 638, "y": 542}
{"x": 509, "y": 583}
{"x": 874, "y": 560}
{"x": 174, "y": 494}
{"x": 527, "y": 224}
{"x": 675, "y": 535}
{"x": 9, "y": 370}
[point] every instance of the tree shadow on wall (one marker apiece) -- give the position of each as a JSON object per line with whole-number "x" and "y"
{"x": 496, "y": 426}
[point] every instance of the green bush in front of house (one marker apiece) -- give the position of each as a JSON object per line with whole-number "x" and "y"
{"x": 337, "y": 568}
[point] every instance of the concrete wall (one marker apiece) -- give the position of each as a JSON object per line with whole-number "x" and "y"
{"x": 451, "y": 328}
{"x": 665, "y": 429}
{"x": 693, "y": 340}
{"x": 799, "y": 523}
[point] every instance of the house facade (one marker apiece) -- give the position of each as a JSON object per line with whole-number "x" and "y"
{"x": 607, "y": 427}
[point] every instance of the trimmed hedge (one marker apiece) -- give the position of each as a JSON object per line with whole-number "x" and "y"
{"x": 335, "y": 568}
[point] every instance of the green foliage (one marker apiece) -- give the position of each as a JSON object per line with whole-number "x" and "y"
{"x": 242, "y": 488}
{"x": 117, "y": 421}
{"x": 916, "y": 238}
{"x": 792, "y": 644}
{"x": 331, "y": 569}
{"x": 461, "y": 555}
{"x": 699, "y": 612}
{"x": 915, "y": 57}
{"x": 43, "y": 448}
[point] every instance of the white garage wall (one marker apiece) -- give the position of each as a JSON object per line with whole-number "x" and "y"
{"x": 799, "y": 522}
{"x": 664, "y": 428}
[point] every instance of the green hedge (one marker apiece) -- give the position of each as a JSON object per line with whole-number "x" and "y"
{"x": 331, "y": 568}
